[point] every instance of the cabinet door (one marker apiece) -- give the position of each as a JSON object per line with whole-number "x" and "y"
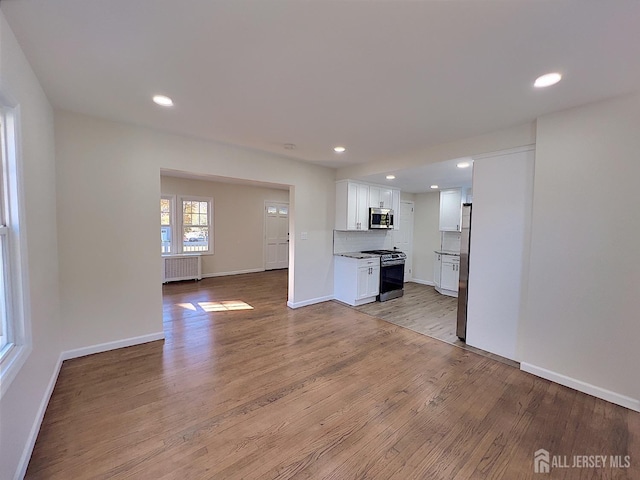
{"x": 374, "y": 281}
{"x": 374, "y": 197}
{"x": 449, "y": 279}
{"x": 362, "y": 207}
{"x": 450, "y": 210}
{"x": 386, "y": 198}
{"x": 363, "y": 282}
{"x": 352, "y": 206}
{"x": 437, "y": 269}
{"x": 395, "y": 200}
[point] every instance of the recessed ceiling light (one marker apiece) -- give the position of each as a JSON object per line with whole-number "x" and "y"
{"x": 390, "y": 177}
{"x": 547, "y": 80}
{"x": 290, "y": 146}
{"x": 434, "y": 186}
{"x": 339, "y": 149}
{"x": 463, "y": 165}
{"x": 163, "y": 100}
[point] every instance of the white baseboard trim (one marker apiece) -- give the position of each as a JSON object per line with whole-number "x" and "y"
{"x": 236, "y": 272}
{"x": 448, "y": 293}
{"x": 422, "y": 282}
{"x": 608, "y": 395}
{"x": 35, "y": 428}
{"x": 105, "y": 347}
{"x": 312, "y": 301}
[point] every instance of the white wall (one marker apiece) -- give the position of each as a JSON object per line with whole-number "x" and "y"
{"x": 22, "y": 406}
{"x": 109, "y": 186}
{"x": 581, "y": 318}
{"x": 426, "y": 235}
{"x": 348, "y": 242}
{"x": 238, "y": 221}
{"x": 499, "y": 251}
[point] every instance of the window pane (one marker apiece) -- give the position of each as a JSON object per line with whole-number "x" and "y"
{"x": 272, "y": 210}
{"x": 165, "y": 225}
{"x": 165, "y": 239}
{"x": 187, "y": 210}
{"x": 195, "y": 239}
{"x": 283, "y": 210}
{"x": 3, "y": 307}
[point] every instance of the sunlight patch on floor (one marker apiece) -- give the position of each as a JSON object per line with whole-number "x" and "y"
{"x": 224, "y": 306}
{"x": 187, "y": 306}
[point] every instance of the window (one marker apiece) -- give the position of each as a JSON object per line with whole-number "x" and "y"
{"x": 192, "y": 223}
{"x": 5, "y": 296}
{"x": 195, "y": 225}
{"x": 166, "y": 222}
{"x": 15, "y": 344}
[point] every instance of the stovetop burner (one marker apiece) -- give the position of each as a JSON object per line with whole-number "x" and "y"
{"x": 397, "y": 253}
{"x": 388, "y": 257}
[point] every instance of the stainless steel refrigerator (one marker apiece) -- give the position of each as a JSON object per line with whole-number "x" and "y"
{"x": 463, "y": 282}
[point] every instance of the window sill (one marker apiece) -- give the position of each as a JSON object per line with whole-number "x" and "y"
{"x": 188, "y": 254}
{"x": 11, "y": 365}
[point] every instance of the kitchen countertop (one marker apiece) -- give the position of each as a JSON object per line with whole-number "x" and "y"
{"x": 445, "y": 252}
{"x": 358, "y": 255}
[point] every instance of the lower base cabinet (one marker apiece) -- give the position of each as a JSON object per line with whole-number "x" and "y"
{"x": 446, "y": 274}
{"x": 356, "y": 280}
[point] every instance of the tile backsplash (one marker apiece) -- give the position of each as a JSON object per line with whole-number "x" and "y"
{"x": 450, "y": 241}
{"x": 345, "y": 242}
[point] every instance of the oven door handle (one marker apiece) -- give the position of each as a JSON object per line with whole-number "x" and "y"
{"x": 392, "y": 263}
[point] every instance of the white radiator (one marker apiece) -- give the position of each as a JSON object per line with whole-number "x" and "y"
{"x": 181, "y": 267}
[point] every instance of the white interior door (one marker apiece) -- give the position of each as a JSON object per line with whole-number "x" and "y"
{"x": 276, "y": 228}
{"x": 404, "y": 237}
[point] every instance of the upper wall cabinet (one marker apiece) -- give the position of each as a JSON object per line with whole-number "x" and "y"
{"x": 451, "y": 210}
{"x": 380, "y": 197}
{"x": 353, "y": 200}
{"x": 352, "y": 205}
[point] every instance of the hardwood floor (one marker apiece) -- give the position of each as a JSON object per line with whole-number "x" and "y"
{"x": 425, "y": 311}
{"x": 321, "y": 392}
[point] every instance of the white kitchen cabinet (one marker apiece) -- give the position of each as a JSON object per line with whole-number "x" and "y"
{"x": 352, "y": 205}
{"x": 356, "y": 281}
{"x": 368, "y": 282}
{"x": 446, "y": 280}
{"x": 380, "y": 197}
{"x": 451, "y": 210}
{"x": 353, "y": 200}
{"x": 395, "y": 204}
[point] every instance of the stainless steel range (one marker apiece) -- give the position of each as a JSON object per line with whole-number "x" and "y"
{"x": 391, "y": 273}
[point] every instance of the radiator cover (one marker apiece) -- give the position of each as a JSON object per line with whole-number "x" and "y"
{"x": 181, "y": 267}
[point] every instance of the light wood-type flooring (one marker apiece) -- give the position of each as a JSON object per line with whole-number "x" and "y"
{"x": 245, "y": 388}
{"x": 425, "y": 311}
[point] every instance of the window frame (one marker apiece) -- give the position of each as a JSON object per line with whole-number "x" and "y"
{"x": 179, "y": 232}
{"x": 172, "y": 225}
{"x": 177, "y": 223}
{"x": 16, "y": 292}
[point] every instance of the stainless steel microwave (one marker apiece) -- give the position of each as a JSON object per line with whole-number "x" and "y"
{"x": 380, "y": 218}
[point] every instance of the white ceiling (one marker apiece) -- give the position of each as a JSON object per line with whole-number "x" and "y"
{"x": 419, "y": 179}
{"x": 384, "y": 78}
